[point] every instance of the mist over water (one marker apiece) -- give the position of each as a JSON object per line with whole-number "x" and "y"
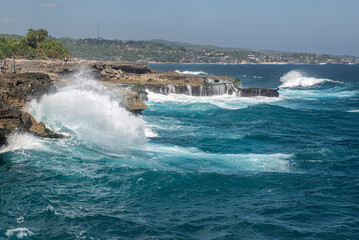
{"x": 218, "y": 167}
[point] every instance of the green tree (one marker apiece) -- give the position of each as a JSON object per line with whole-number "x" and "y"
{"x": 34, "y": 37}
{"x": 34, "y": 45}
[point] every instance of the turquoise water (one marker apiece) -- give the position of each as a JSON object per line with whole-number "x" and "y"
{"x": 191, "y": 167}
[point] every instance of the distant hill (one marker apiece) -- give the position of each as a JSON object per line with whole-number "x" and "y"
{"x": 181, "y": 44}
{"x": 266, "y": 51}
{"x": 12, "y": 36}
{"x": 158, "y": 50}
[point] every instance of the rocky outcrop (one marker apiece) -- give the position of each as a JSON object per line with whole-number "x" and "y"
{"x": 150, "y": 78}
{"x": 132, "y": 101}
{"x": 252, "y": 92}
{"x": 167, "y": 82}
{"x": 16, "y": 89}
{"x": 12, "y": 118}
{"x": 31, "y": 66}
{"x": 118, "y": 68}
{"x": 68, "y": 66}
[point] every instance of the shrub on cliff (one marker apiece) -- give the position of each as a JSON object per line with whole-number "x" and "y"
{"x": 54, "y": 49}
{"x": 6, "y": 47}
{"x": 34, "y": 45}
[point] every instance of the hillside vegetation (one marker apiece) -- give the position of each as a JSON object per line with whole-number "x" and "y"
{"x": 34, "y": 45}
{"x": 174, "y": 52}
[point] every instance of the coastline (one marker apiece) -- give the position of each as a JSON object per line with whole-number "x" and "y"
{"x": 262, "y": 63}
{"x": 136, "y": 78}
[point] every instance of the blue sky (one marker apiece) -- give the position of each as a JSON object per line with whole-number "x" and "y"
{"x": 319, "y": 26}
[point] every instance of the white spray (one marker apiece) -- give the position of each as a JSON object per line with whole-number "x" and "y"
{"x": 294, "y": 79}
{"x": 89, "y": 111}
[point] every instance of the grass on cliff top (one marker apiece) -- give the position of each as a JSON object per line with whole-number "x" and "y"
{"x": 34, "y": 45}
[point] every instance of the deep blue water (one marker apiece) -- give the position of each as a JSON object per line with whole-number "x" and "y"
{"x": 191, "y": 167}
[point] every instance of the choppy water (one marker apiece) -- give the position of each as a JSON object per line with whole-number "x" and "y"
{"x": 191, "y": 167}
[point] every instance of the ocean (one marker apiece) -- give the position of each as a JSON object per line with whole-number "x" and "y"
{"x": 220, "y": 167}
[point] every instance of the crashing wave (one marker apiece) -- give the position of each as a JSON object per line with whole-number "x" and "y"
{"x": 192, "y": 72}
{"x": 294, "y": 79}
{"x": 91, "y": 112}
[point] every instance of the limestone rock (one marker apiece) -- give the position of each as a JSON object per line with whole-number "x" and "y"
{"x": 132, "y": 101}
{"x": 16, "y": 89}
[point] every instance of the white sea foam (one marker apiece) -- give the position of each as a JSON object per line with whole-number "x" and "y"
{"x": 192, "y": 72}
{"x": 313, "y": 94}
{"x": 222, "y": 101}
{"x": 354, "y": 110}
{"x": 217, "y": 162}
{"x": 22, "y": 141}
{"x": 150, "y": 133}
{"x": 19, "y": 233}
{"x": 294, "y": 79}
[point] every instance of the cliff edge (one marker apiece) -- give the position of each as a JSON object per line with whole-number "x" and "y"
{"x": 15, "y": 90}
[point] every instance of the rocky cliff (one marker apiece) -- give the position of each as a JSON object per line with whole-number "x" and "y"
{"x": 15, "y": 90}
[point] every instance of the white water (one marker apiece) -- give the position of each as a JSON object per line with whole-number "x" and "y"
{"x": 295, "y": 79}
{"x": 192, "y": 72}
{"x": 22, "y": 141}
{"x": 19, "y": 233}
{"x": 223, "y": 101}
{"x": 179, "y": 158}
{"x": 91, "y": 112}
{"x": 332, "y": 93}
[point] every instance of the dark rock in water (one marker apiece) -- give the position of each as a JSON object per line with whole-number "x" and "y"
{"x": 16, "y": 89}
{"x": 253, "y": 92}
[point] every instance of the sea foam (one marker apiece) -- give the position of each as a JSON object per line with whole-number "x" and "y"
{"x": 193, "y": 159}
{"x": 19, "y": 233}
{"x": 192, "y": 72}
{"x": 222, "y": 101}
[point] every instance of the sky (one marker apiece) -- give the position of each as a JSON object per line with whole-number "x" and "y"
{"x": 318, "y": 26}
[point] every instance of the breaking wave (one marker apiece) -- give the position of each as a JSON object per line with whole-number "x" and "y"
{"x": 295, "y": 79}
{"x": 192, "y": 72}
{"x": 88, "y": 111}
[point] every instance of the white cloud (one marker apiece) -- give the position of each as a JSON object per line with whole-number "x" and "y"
{"x": 7, "y": 21}
{"x": 47, "y": 5}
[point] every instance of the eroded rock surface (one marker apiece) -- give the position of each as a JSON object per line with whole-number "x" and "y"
{"x": 15, "y": 90}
